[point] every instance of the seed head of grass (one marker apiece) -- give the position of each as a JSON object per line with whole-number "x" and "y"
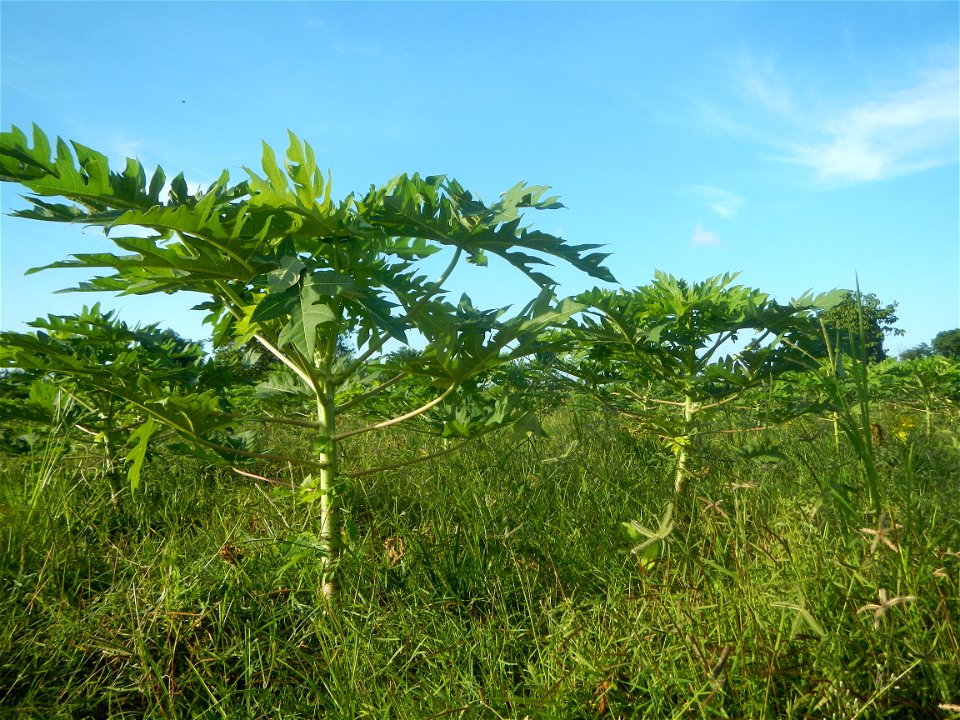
{"x": 882, "y": 534}
{"x": 880, "y": 609}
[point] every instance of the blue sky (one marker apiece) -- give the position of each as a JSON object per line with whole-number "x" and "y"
{"x": 803, "y": 144}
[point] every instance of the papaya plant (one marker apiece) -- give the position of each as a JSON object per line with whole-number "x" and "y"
{"x": 923, "y": 383}
{"x": 278, "y": 261}
{"x": 655, "y": 354}
{"x": 59, "y": 362}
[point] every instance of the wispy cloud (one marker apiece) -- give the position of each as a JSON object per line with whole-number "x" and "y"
{"x": 905, "y": 132}
{"x": 121, "y": 147}
{"x": 723, "y": 202}
{"x": 34, "y": 81}
{"x": 346, "y": 41}
{"x": 702, "y": 236}
{"x": 844, "y": 140}
{"x": 369, "y": 50}
{"x": 760, "y": 81}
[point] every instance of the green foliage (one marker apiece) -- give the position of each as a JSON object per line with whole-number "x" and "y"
{"x": 654, "y": 353}
{"x": 674, "y": 332}
{"x": 843, "y": 324}
{"x": 493, "y": 583}
{"x": 280, "y": 262}
{"x": 104, "y": 367}
{"x": 276, "y": 255}
{"x": 917, "y": 351}
{"x": 847, "y": 387}
{"x": 929, "y": 384}
{"x": 947, "y": 343}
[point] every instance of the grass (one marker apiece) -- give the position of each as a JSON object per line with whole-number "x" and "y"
{"x": 495, "y": 582}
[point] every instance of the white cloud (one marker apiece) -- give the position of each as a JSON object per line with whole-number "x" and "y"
{"x": 879, "y": 135}
{"x": 35, "y": 81}
{"x": 704, "y": 237}
{"x": 905, "y": 132}
{"x": 761, "y": 83}
{"x": 121, "y": 147}
{"x": 372, "y": 50}
{"x": 723, "y": 202}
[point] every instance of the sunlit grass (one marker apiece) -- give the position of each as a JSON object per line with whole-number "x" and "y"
{"x": 496, "y": 582}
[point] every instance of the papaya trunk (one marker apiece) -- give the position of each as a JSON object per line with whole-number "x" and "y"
{"x": 689, "y": 412}
{"x": 329, "y": 501}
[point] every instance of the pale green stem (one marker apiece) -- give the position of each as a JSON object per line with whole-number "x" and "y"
{"x": 371, "y": 350}
{"x": 393, "y": 421}
{"x": 353, "y": 402}
{"x": 86, "y": 430}
{"x": 438, "y": 283}
{"x": 329, "y": 503}
{"x": 270, "y": 346}
{"x": 267, "y": 419}
{"x": 645, "y": 399}
{"x": 836, "y": 433}
{"x": 247, "y": 453}
{"x": 705, "y": 358}
{"x": 423, "y": 458}
{"x": 689, "y": 411}
{"x": 731, "y": 431}
{"x": 718, "y": 403}
{"x": 213, "y": 243}
{"x": 282, "y": 357}
{"x": 110, "y": 465}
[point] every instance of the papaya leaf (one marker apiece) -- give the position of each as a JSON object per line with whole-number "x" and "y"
{"x": 140, "y": 440}
{"x": 287, "y": 275}
{"x": 276, "y": 304}
{"x": 307, "y": 313}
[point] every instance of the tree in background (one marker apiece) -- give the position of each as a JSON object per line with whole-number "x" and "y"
{"x": 947, "y": 343}
{"x": 917, "y": 351}
{"x": 843, "y": 325}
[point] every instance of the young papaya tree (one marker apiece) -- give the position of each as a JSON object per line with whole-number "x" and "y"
{"x": 59, "y": 362}
{"x": 656, "y": 353}
{"x": 925, "y": 384}
{"x": 278, "y": 261}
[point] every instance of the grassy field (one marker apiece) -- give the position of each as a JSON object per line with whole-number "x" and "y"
{"x": 496, "y": 582}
